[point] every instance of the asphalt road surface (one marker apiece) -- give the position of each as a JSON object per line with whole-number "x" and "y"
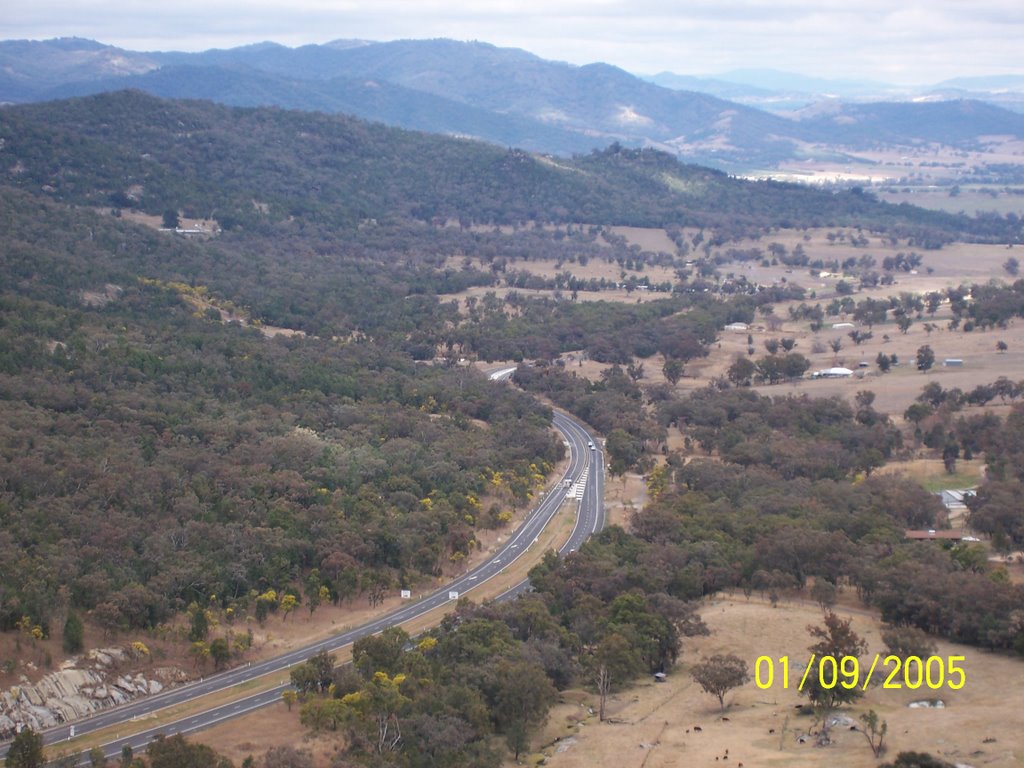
{"x": 583, "y": 480}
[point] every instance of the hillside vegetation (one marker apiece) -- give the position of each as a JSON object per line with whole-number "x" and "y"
{"x": 280, "y": 412}
{"x": 265, "y": 166}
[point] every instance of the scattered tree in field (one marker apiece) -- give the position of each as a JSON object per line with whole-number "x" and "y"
{"x": 950, "y": 453}
{"x": 776, "y": 368}
{"x": 836, "y": 639}
{"x": 673, "y": 370}
{"x": 925, "y": 358}
{"x": 289, "y": 697}
{"x": 1012, "y": 266}
{"x": 719, "y": 674}
{"x": 289, "y": 603}
{"x": 171, "y": 219}
{"x": 874, "y": 731}
{"x": 742, "y": 371}
{"x": 525, "y": 694}
{"x": 824, "y": 593}
{"x": 614, "y": 662}
{"x": 315, "y": 591}
{"x": 1002, "y": 346}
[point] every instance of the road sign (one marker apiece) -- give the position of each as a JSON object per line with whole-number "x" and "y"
{"x": 406, "y": 594}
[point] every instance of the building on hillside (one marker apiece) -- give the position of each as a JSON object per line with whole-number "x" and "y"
{"x": 932, "y": 534}
{"x": 955, "y": 500}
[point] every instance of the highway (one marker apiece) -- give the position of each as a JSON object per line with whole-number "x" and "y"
{"x": 583, "y": 479}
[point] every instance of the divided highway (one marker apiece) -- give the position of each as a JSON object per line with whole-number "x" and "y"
{"x": 583, "y": 480}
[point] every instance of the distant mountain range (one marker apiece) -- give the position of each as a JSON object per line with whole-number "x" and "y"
{"x": 513, "y": 98}
{"x": 785, "y": 92}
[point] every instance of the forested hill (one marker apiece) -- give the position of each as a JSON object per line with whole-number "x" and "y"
{"x": 280, "y": 415}
{"x": 266, "y": 165}
{"x": 508, "y": 96}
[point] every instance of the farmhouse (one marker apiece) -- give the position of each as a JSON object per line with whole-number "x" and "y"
{"x": 832, "y": 373}
{"x": 931, "y": 533}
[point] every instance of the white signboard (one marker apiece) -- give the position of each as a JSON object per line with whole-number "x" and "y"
{"x": 453, "y": 595}
{"x": 406, "y": 594}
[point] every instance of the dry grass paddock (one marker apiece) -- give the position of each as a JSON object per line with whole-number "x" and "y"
{"x": 652, "y": 725}
{"x": 951, "y": 266}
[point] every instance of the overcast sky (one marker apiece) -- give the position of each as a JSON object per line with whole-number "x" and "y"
{"x": 892, "y": 40}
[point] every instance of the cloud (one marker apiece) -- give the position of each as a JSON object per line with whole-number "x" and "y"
{"x": 910, "y": 41}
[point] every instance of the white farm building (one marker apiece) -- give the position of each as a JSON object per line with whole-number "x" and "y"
{"x": 832, "y": 373}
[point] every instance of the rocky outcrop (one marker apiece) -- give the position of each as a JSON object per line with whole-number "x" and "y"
{"x": 82, "y": 685}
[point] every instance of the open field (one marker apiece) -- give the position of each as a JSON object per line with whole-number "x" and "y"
{"x": 652, "y": 725}
{"x": 921, "y": 175}
{"x": 951, "y": 266}
{"x": 970, "y": 199}
{"x": 947, "y": 267}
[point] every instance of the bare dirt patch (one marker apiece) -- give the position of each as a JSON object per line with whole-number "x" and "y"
{"x": 191, "y": 227}
{"x": 647, "y": 238}
{"x": 623, "y": 496}
{"x": 270, "y": 727}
